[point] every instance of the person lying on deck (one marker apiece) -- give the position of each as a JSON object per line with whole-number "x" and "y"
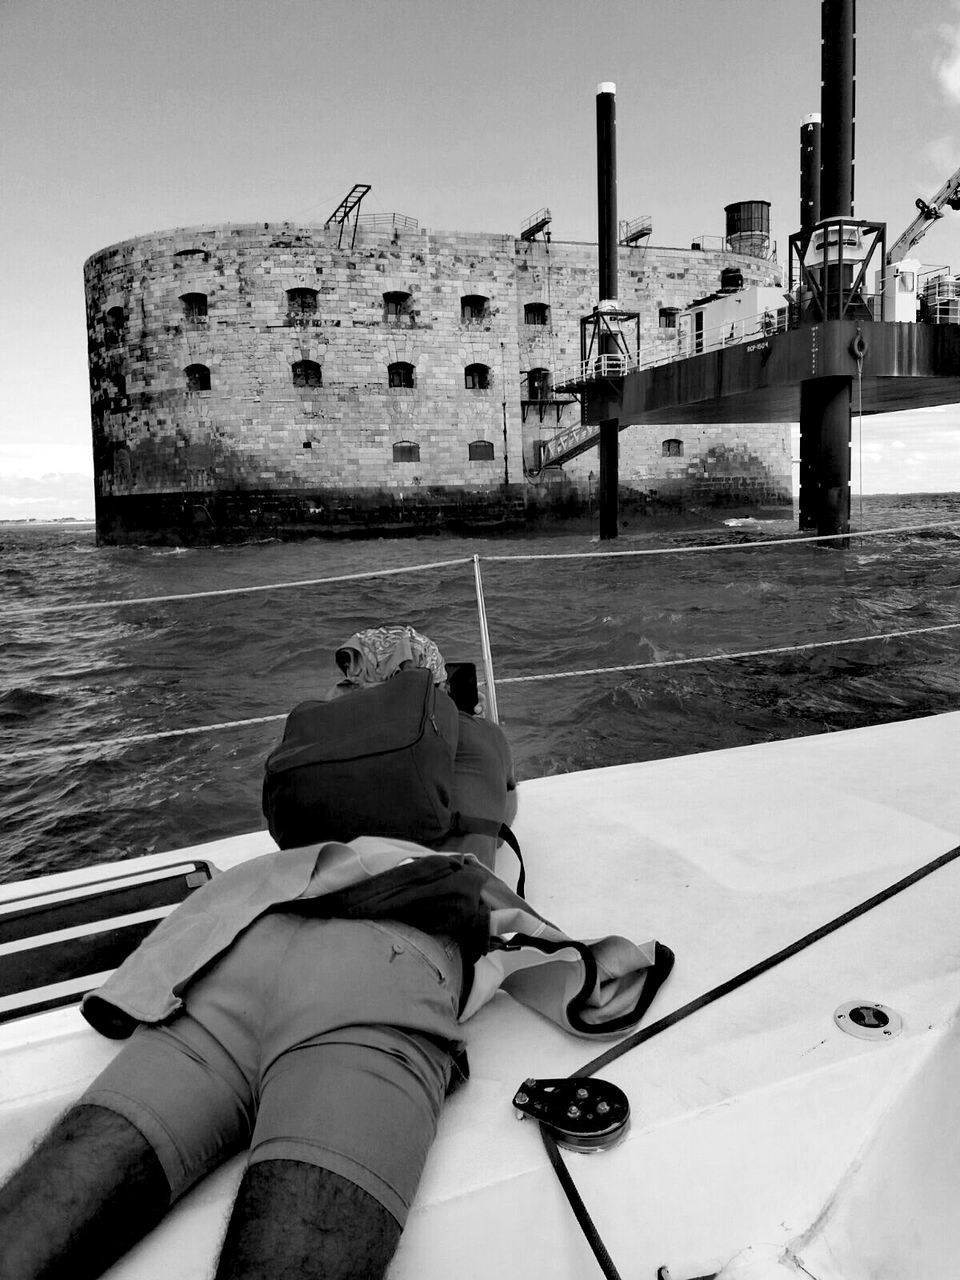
{"x": 318, "y": 1029}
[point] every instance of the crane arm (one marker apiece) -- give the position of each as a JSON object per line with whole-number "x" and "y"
{"x": 948, "y": 194}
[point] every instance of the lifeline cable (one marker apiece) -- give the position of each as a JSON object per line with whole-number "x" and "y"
{"x": 700, "y": 1002}
{"x": 135, "y": 739}
{"x": 80, "y": 606}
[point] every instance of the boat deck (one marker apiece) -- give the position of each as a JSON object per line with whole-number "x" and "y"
{"x": 762, "y": 1134}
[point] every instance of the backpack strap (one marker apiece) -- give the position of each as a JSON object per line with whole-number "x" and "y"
{"x": 465, "y": 824}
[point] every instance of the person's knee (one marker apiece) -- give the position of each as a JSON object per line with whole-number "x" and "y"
{"x": 299, "y": 1219}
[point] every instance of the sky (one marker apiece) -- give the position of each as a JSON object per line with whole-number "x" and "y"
{"x": 121, "y": 117}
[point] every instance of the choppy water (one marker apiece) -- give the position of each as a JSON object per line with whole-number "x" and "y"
{"x": 85, "y": 676}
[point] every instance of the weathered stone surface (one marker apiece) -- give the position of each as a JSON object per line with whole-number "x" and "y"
{"x": 258, "y": 447}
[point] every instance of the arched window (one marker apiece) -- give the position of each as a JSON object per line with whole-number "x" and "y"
{"x": 477, "y": 377}
{"x": 406, "y": 451}
{"x": 198, "y": 377}
{"x": 538, "y": 384}
{"x": 480, "y": 451}
{"x": 473, "y": 307}
{"x": 535, "y": 313}
{"x": 673, "y": 448}
{"x": 400, "y": 374}
{"x": 307, "y": 373}
{"x": 194, "y": 306}
{"x": 396, "y": 305}
{"x": 301, "y": 303}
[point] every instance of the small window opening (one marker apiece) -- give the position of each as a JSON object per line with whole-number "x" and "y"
{"x": 477, "y": 377}
{"x": 307, "y": 373}
{"x": 396, "y": 305}
{"x": 406, "y": 451}
{"x": 194, "y": 306}
{"x": 538, "y": 384}
{"x": 474, "y": 306}
{"x": 480, "y": 451}
{"x": 400, "y": 374}
{"x": 535, "y": 313}
{"x": 668, "y": 317}
{"x": 673, "y": 448}
{"x": 198, "y": 377}
{"x": 116, "y": 318}
{"x": 301, "y": 303}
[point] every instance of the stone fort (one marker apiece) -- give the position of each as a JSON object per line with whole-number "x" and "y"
{"x": 279, "y": 379}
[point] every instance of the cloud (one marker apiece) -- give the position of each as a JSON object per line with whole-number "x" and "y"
{"x": 947, "y": 64}
{"x": 48, "y": 498}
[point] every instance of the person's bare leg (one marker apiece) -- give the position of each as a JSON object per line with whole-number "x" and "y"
{"x": 299, "y": 1221}
{"x": 88, "y": 1192}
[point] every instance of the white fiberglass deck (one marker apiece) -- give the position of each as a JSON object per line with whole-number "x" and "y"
{"x": 761, "y": 1133}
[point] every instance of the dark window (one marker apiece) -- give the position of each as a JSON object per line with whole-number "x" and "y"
{"x": 400, "y": 374}
{"x": 194, "y": 305}
{"x": 301, "y": 303}
{"x": 198, "y": 377}
{"x": 396, "y": 306}
{"x": 307, "y": 373}
{"x": 116, "y": 318}
{"x": 673, "y": 448}
{"x": 480, "y": 450}
{"x": 538, "y": 384}
{"x": 477, "y": 377}
{"x": 406, "y": 451}
{"x": 535, "y": 313}
{"x": 474, "y": 306}
{"x": 668, "y": 317}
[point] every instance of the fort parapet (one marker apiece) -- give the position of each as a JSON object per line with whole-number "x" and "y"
{"x": 267, "y": 380}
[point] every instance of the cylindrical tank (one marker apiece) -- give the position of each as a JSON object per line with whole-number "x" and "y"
{"x": 748, "y": 227}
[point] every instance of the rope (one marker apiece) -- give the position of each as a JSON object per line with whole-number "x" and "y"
{"x": 11, "y": 757}
{"x": 692, "y": 1006}
{"x": 727, "y": 657}
{"x": 416, "y": 568}
{"x": 728, "y": 546}
{"x": 237, "y": 591}
{"x": 135, "y": 739}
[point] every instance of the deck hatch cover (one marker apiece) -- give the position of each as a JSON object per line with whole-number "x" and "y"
{"x": 868, "y": 1020}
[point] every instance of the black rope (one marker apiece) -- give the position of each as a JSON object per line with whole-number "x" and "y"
{"x": 647, "y": 1033}
{"x": 579, "y": 1208}
{"x": 731, "y": 984}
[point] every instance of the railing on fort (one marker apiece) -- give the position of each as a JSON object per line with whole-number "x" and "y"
{"x": 941, "y": 306}
{"x": 386, "y": 221}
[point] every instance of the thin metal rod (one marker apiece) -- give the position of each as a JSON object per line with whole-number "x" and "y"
{"x": 492, "y": 713}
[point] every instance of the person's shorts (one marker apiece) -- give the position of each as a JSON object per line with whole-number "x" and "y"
{"x": 324, "y": 1041}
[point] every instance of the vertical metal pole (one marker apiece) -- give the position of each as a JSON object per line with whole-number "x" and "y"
{"x": 609, "y": 286}
{"x": 809, "y": 171}
{"x": 607, "y": 189}
{"x": 825, "y": 402}
{"x": 838, "y": 70}
{"x": 609, "y": 485}
{"x": 487, "y": 656}
{"x": 825, "y": 455}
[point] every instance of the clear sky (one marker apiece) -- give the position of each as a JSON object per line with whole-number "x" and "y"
{"x": 120, "y": 117}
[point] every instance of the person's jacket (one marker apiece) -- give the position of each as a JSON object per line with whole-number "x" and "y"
{"x": 596, "y": 988}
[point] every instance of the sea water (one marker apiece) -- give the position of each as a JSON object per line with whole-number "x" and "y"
{"x": 84, "y": 690}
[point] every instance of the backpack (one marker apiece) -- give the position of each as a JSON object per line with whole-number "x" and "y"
{"x": 378, "y": 761}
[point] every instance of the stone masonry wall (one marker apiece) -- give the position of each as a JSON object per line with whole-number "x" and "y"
{"x": 158, "y": 431}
